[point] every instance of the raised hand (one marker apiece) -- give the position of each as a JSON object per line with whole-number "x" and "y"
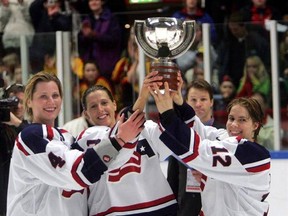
{"x": 130, "y": 129}
{"x": 163, "y": 101}
{"x": 149, "y": 81}
{"x": 53, "y": 9}
{"x": 177, "y": 95}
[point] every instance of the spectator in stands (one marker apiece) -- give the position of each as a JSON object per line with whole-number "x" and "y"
{"x": 283, "y": 54}
{"x": 196, "y": 72}
{"x": 90, "y": 78}
{"x": 284, "y": 138}
{"x": 282, "y": 6}
{"x": 2, "y": 76}
{"x": 50, "y": 64}
{"x": 255, "y": 78}
{"x": 8, "y": 133}
{"x": 125, "y": 74}
{"x": 191, "y": 57}
{"x": 266, "y": 134}
{"x": 17, "y": 77}
{"x": 100, "y": 37}
{"x": 283, "y": 87}
{"x": 10, "y": 62}
{"x": 227, "y": 92}
{"x": 192, "y": 11}
{"x": 258, "y": 12}
{"x": 16, "y": 21}
{"x": 236, "y": 46}
{"x": 220, "y": 10}
{"x": 48, "y": 16}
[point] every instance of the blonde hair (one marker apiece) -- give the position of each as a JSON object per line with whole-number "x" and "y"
{"x": 261, "y": 72}
{"x": 31, "y": 85}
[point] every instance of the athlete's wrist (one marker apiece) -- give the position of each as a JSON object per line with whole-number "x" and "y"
{"x": 120, "y": 140}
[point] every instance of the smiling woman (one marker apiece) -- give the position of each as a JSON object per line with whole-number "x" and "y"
{"x": 138, "y": 159}
{"x": 43, "y": 99}
{"x": 43, "y": 168}
{"x": 236, "y": 168}
{"x": 99, "y": 106}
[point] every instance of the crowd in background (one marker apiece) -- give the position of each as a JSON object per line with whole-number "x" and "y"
{"x": 104, "y": 52}
{"x": 239, "y": 35}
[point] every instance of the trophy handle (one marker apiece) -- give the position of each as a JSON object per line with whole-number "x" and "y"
{"x": 188, "y": 39}
{"x": 141, "y": 40}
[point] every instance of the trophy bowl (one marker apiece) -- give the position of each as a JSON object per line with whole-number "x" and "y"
{"x": 164, "y": 39}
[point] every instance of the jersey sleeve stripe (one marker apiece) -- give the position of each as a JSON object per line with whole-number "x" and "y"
{"x": 190, "y": 124}
{"x": 145, "y": 205}
{"x": 195, "y": 149}
{"x": 50, "y": 133}
{"x": 260, "y": 168}
{"x": 62, "y": 130}
{"x": 203, "y": 181}
{"x": 75, "y": 174}
{"x": 81, "y": 134}
{"x": 129, "y": 145}
{"x": 21, "y": 148}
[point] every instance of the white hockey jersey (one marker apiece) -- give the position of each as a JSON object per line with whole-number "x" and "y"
{"x": 236, "y": 171}
{"x": 46, "y": 177}
{"x": 134, "y": 183}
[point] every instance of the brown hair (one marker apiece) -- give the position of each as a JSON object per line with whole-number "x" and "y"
{"x": 93, "y": 89}
{"x": 254, "y": 109}
{"x": 31, "y": 85}
{"x": 202, "y": 85}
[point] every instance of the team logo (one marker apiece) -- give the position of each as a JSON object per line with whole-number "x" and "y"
{"x": 133, "y": 165}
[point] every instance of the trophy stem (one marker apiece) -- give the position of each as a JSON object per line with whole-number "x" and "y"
{"x": 168, "y": 70}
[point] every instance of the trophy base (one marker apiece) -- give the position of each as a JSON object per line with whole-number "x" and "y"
{"x": 168, "y": 70}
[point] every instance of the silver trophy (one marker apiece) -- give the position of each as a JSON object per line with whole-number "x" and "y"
{"x": 164, "y": 39}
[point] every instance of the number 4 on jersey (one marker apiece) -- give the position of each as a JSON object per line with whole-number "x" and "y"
{"x": 56, "y": 160}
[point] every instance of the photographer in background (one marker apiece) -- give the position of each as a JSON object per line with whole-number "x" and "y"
{"x": 8, "y": 132}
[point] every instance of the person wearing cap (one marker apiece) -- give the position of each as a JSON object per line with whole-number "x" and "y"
{"x": 8, "y": 132}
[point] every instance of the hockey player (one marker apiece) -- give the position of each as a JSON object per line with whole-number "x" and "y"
{"x": 46, "y": 177}
{"x": 183, "y": 181}
{"x": 135, "y": 183}
{"x": 236, "y": 168}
